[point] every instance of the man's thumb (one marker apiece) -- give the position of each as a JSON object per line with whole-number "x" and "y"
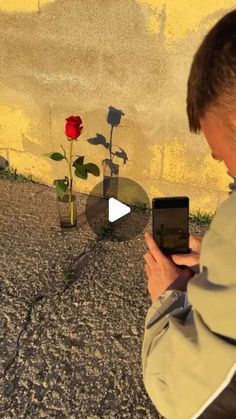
{"x": 176, "y": 259}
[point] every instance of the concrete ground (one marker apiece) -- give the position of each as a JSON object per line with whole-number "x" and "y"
{"x": 72, "y": 314}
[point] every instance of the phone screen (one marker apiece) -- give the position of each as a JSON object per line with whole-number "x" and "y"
{"x": 171, "y": 224}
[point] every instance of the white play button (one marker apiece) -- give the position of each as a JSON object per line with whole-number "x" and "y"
{"x": 112, "y": 212}
{"x": 116, "y": 210}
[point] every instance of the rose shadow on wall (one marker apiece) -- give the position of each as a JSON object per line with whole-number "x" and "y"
{"x": 110, "y": 169}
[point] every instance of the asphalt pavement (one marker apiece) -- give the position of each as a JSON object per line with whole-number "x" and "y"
{"x": 72, "y": 314}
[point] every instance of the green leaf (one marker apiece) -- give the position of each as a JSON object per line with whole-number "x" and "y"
{"x": 92, "y": 168}
{"x": 54, "y": 155}
{"x": 61, "y": 187}
{"x": 81, "y": 172}
{"x": 79, "y": 161}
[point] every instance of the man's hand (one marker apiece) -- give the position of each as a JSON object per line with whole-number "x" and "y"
{"x": 162, "y": 273}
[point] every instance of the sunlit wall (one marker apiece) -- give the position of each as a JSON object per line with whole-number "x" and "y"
{"x": 77, "y": 57}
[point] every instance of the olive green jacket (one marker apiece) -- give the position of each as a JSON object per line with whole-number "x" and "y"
{"x": 189, "y": 356}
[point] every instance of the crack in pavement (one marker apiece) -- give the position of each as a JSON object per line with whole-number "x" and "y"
{"x": 28, "y": 319}
{"x": 33, "y": 302}
{"x": 75, "y": 267}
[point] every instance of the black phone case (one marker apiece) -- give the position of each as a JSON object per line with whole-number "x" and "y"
{"x": 171, "y": 199}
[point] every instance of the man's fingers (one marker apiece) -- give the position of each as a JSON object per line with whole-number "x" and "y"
{"x": 154, "y": 249}
{"x": 150, "y": 260}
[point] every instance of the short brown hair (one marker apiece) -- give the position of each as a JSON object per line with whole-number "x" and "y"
{"x": 212, "y": 78}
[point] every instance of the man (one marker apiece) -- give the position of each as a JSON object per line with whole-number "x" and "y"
{"x": 189, "y": 355}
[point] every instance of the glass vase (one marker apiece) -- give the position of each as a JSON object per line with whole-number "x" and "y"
{"x": 67, "y": 211}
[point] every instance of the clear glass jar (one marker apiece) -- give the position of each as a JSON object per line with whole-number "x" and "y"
{"x": 67, "y": 211}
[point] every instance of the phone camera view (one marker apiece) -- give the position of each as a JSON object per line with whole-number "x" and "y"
{"x": 170, "y": 229}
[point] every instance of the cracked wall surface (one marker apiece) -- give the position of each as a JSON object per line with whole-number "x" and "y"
{"x": 66, "y": 57}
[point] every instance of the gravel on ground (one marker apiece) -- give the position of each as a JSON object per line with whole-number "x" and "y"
{"x": 72, "y": 313}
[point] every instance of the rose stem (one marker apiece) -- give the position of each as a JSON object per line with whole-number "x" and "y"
{"x": 70, "y": 189}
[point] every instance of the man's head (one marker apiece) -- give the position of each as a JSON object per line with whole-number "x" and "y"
{"x": 211, "y": 98}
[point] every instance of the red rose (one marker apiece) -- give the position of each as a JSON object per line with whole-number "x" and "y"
{"x": 73, "y": 127}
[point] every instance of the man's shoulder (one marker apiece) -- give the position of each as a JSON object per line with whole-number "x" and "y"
{"x": 224, "y": 221}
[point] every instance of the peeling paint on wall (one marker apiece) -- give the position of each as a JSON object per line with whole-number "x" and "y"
{"x": 23, "y": 5}
{"x": 184, "y": 17}
{"x": 19, "y": 5}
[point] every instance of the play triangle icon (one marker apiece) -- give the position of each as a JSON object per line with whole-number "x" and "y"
{"x": 116, "y": 210}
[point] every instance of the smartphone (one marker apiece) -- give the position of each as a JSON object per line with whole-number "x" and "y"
{"x": 170, "y": 224}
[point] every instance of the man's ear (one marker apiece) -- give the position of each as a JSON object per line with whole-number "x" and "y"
{"x": 232, "y": 119}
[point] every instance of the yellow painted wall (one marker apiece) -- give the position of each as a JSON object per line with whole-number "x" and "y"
{"x": 68, "y": 57}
